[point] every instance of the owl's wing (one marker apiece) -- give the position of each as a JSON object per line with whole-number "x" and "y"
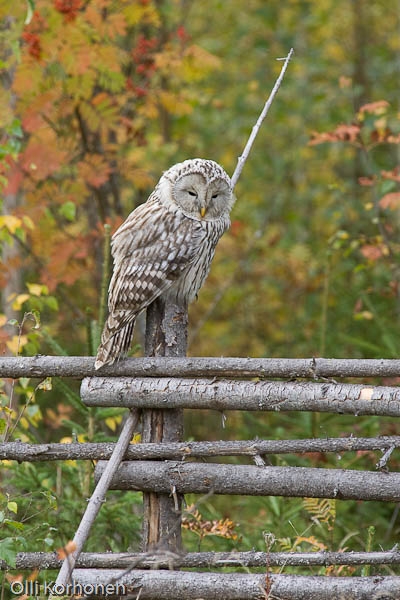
{"x": 150, "y": 250}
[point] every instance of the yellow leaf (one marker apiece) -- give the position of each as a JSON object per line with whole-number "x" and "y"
{"x": 16, "y": 343}
{"x": 197, "y": 62}
{"x": 3, "y": 320}
{"x": 19, "y": 300}
{"x": 46, "y": 385}
{"x": 24, "y": 423}
{"x": 10, "y": 222}
{"x": 135, "y": 13}
{"x": 113, "y": 422}
{"x": 174, "y": 104}
{"x": 36, "y": 289}
{"x": 28, "y": 222}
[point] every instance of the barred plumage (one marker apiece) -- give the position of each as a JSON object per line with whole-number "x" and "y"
{"x": 165, "y": 248}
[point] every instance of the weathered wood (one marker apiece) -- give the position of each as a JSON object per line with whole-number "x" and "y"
{"x": 201, "y": 478}
{"x": 21, "y": 451}
{"x": 242, "y": 395}
{"x": 166, "y": 336}
{"x": 175, "y": 585}
{"x": 204, "y": 560}
{"x": 79, "y": 367}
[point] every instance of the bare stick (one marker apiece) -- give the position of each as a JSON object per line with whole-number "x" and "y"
{"x": 203, "y": 560}
{"x": 242, "y": 159}
{"x": 98, "y": 498}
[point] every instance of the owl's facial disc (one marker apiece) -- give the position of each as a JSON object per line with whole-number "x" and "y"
{"x": 200, "y": 200}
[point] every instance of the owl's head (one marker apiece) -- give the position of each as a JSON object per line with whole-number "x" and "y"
{"x": 200, "y": 188}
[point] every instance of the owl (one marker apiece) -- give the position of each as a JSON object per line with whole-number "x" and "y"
{"x": 165, "y": 248}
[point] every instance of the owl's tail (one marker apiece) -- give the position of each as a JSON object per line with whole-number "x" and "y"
{"x": 114, "y": 342}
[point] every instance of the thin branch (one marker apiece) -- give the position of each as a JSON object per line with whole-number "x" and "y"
{"x": 204, "y": 560}
{"x": 79, "y": 367}
{"x": 97, "y": 498}
{"x": 242, "y": 159}
{"x": 23, "y": 452}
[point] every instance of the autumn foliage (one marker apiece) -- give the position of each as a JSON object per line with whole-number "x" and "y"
{"x": 98, "y": 97}
{"x": 92, "y": 81}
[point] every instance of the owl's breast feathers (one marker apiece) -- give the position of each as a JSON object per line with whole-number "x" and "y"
{"x": 153, "y": 249}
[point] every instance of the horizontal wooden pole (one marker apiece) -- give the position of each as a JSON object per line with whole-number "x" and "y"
{"x": 181, "y": 585}
{"x": 201, "y": 478}
{"x": 204, "y": 560}
{"x": 79, "y": 367}
{"x": 342, "y": 398}
{"x": 21, "y": 451}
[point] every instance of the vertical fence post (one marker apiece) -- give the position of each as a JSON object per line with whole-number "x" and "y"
{"x": 166, "y": 335}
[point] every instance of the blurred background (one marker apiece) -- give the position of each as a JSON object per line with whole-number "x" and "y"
{"x": 99, "y": 97}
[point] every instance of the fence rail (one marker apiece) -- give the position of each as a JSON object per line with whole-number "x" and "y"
{"x": 79, "y": 367}
{"x": 242, "y": 395}
{"x": 173, "y": 585}
{"x": 205, "y": 560}
{"x": 21, "y": 451}
{"x": 168, "y": 469}
{"x": 210, "y": 478}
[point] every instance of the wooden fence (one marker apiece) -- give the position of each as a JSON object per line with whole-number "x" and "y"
{"x": 162, "y": 387}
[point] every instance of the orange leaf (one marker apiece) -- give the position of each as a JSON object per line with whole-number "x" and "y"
{"x": 393, "y": 139}
{"x": 321, "y": 138}
{"x": 42, "y": 157}
{"x": 94, "y": 170}
{"x": 394, "y": 175}
{"x": 391, "y": 201}
{"x": 371, "y": 252}
{"x": 347, "y": 133}
{"x": 366, "y": 181}
{"x": 375, "y": 108}
{"x": 69, "y": 548}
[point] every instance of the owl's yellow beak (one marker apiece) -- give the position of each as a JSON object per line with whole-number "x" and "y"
{"x": 203, "y": 211}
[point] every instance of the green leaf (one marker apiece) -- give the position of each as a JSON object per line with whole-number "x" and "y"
{"x": 8, "y": 551}
{"x": 52, "y": 303}
{"x": 68, "y": 211}
{"x": 48, "y": 541}
{"x": 12, "y": 507}
{"x": 14, "y": 524}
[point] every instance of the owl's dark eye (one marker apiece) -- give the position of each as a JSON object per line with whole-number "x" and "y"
{"x": 215, "y": 196}
{"x": 193, "y": 194}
